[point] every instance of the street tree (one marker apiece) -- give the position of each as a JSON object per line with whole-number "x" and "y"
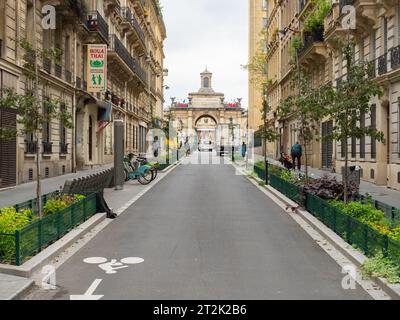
{"x": 349, "y": 102}
{"x": 305, "y": 108}
{"x": 33, "y": 112}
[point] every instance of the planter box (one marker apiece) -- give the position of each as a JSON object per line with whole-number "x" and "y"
{"x": 39, "y": 234}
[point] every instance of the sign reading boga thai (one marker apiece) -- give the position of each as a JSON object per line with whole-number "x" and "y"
{"x": 97, "y": 68}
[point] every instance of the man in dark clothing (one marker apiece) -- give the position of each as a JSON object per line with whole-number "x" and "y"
{"x": 297, "y": 152}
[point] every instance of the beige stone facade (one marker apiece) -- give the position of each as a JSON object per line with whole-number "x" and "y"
{"x": 258, "y": 18}
{"x": 207, "y": 116}
{"x": 377, "y": 33}
{"x": 133, "y": 31}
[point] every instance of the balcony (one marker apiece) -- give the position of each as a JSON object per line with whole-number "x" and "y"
{"x": 64, "y": 148}
{"x": 139, "y": 6}
{"x": 117, "y": 47}
{"x": 395, "y": 58}
{"x": 130, "y": 20}
{"x": 47, "y": 147}
{"x": 313, "y": 46}
{"x": 30, "y": 147}
{"x": 96, "y": 23}
{"x": 382, "y": 65}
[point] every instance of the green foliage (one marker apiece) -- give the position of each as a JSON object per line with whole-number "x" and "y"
{"x": 294, "y": 45}
{"x": 381, "y": 266}
{"x": 316, "y": 18}
{"x": 10, "y": 221}
{"x": 57, "y": 204}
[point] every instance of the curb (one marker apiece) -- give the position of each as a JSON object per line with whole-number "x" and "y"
{"x": 355, "y": 256}
{"x": 34, "y": 264}
{"x": 20, "y": 293}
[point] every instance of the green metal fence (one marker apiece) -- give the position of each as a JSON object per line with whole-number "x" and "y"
{"x": 391, "y": 212}
{"x": 17, "y": 248}
{"x": 290, "y": 190}
{"x": 260, "y": 172}
{"x": 353, "y": 231}
{"x": 31, "y": 204}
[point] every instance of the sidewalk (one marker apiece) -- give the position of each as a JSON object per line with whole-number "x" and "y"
{"x": 27, "y": 191}
{"x": 380, "y": 193}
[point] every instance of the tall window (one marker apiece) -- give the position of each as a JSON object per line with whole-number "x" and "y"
{"x": 362, "y": 140}
{"x": 353, "y": 147}
{"x": 46, "y": 124}
{"x": 373, "y": 126}
{"x": 63, "y": 132}
{"x": 385, "y": 35}
{"x": 29, "y": 22}
{"x": 67, "y": 52}
{"x": 206, "y": 82}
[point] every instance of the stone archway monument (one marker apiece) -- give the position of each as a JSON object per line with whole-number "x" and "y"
{"x": 204, "y": 112}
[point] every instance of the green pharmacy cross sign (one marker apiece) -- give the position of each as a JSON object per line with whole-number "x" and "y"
{"x": 97, "y": 68}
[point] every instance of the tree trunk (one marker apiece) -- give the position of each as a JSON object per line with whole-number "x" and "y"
{"x": 346, "y": 177}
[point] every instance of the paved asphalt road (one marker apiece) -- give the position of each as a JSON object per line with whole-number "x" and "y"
{"x": 205, "y": 233}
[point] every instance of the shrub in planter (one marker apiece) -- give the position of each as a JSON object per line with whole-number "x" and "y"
{"x": 330, "y": 189}
{"x": 11, "y": 221}
{"x": 57, "y": 204}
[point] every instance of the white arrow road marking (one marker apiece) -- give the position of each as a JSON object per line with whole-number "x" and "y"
{"x": 89, "y": 293}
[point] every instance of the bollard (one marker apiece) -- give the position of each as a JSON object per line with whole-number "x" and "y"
{"x": 266, "y": 172}
{"x": 119, "y": 154}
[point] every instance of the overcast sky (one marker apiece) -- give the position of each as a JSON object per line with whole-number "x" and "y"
{"x": 202, "y": 33}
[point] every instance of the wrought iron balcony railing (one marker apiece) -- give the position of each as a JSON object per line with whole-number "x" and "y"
{"x": 30, "y": 147}
{"x": 47, "y": 65}
{"x": 47, "y": 147}
{"x": 115, "y": 45}
{"x": 302, "y": 5}
{"x": 395, "y": 58}
{"x": 64, "y": 148}
{"x": 97, "y": 23}
{"x": 129, "y": 17}
{"x": 382, "y": 64}
{"x": 58, "y": 70}
{"x": 317, "y": 35}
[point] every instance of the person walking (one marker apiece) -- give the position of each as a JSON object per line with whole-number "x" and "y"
{"x": 297, "y": 152}
{"x": 244, "y": 149}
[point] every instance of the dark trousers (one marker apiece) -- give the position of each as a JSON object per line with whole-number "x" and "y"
{"x": 296, "y": 157}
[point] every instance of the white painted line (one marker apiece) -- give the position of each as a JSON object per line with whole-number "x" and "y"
{"x": 88, "y": 295}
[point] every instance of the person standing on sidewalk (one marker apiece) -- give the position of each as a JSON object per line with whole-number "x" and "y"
{"x": 244, "y": 149}
{"x": 297, "y": 152}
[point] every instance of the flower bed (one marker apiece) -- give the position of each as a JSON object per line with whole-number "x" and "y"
{"x": 23, "y": 234}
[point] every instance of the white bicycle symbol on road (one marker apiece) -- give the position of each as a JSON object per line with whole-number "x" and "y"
{"x": 112, "y": 266}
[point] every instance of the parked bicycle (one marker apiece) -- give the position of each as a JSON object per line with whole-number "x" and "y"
{"x": 137, "y": 169}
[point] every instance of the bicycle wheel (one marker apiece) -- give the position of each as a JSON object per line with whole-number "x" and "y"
{"x": 146, "y": 177}
{"x": 155, "y": 172}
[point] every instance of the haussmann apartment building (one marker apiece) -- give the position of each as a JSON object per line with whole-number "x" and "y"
{"x": 133, "y": 32}
{"x": 377, "y": 37}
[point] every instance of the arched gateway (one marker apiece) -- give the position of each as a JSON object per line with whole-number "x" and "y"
{"x": 206, "y": 113}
